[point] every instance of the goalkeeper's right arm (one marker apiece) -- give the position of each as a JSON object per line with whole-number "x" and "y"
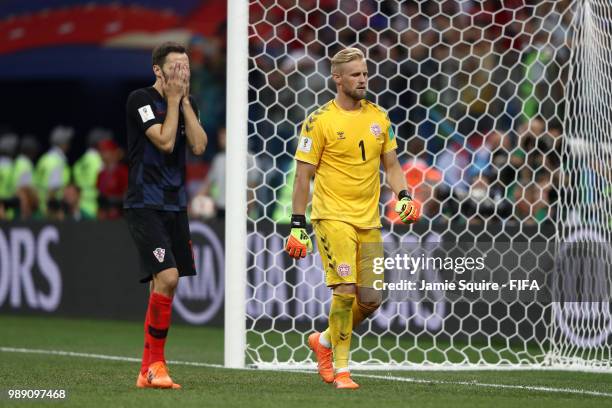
{"x": 299, "y": 243}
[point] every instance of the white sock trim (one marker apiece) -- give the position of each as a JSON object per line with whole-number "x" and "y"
{"x": 323, "y": 342}
{"x": 342, "y": 370}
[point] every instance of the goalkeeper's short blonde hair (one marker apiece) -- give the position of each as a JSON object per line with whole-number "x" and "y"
{"x": 344, "y": 56}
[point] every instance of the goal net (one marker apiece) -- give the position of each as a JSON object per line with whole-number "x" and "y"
{"x": 502, "y": 111}
{"x": 582, "y": 324}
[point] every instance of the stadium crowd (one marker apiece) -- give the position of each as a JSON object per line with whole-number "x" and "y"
{"x": 474, "y": 88}
{"x": 68, "y": 182}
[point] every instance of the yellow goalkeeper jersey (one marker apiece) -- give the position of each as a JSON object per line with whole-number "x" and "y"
{"x": 346, "y": 146}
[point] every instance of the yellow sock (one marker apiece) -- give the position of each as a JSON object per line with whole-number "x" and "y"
{"x": 361, "y": 311}
{"x": 341, "y": 328}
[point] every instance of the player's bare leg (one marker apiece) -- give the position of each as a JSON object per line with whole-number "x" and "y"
{"x": 162, "y": 288}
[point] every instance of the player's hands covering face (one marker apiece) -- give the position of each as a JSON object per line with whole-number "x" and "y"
{"x": 173, "y": 83}
{"x": 186, "y": 77}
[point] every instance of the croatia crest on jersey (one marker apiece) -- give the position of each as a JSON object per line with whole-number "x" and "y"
{"x": 375, "y": 129}
{"x": 159, "y": 253}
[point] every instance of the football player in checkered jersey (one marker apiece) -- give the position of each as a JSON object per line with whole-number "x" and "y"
{"x": 162, "y": 122}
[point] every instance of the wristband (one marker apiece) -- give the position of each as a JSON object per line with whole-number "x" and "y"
{"x": 404, "y": 194}
{"x": 298, "y": 221}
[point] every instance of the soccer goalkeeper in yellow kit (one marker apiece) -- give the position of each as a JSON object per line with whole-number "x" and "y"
{"x": 342, "y": 145}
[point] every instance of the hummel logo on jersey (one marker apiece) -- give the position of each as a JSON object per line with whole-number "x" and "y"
{"x": 159, "y": 254}
{"x": 341, "y": 135}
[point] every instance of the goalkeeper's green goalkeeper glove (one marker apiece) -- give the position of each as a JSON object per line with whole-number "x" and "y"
{"x": 407, "y": 209}
{"x": 298, "y": 243}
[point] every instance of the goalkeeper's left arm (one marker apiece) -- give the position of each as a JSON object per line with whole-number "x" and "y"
{"x": 298, "y": 243}
{"x": 408, "y": 210}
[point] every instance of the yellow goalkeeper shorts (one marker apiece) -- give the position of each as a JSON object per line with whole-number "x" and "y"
{"x": 347, "y": 252}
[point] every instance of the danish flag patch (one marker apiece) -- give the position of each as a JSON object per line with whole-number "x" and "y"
{"x": 159, "y": 254}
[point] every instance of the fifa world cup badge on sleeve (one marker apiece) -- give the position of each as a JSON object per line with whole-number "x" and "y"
{"x": 146, "y": 113}
{"x": 305, "y": 144}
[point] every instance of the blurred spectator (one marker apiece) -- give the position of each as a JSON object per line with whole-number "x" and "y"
{"x": 207, "y": 59}
{"x": 52, "y": 172}
{"x": 482, "y": 157}
{"x": 86, "y": 169}
{"x": 55, "y": 210}
{"x": 28, "y": 203}
{"x": 69, "y": 207}
{"x": 214, "y": 185}
{"x": 8, "y": 147}
{"x": 505, "y": 162}
{"x": 23, "y": 167}
{"x": 531, "y": 200}
{"x": 485, "y": 199}
{"x": 71, "y": 204}
{"x": 421, "y": 179}
{"x": 112, "y": 181}
{"x": 284, "y": 195}
{"x": 453, "y": 162}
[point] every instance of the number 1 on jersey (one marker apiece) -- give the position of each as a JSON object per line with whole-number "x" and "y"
{"x": 362, "y": 146}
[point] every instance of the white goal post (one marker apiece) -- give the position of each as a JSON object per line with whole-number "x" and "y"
{"x": 235, "y": 222}
{"x": 503, "y": 114}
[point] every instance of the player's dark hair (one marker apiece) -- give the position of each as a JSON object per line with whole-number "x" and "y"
{"x": 160, "y": 52}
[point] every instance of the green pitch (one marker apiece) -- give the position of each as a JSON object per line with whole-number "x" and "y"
{"x": 94, "y": 382}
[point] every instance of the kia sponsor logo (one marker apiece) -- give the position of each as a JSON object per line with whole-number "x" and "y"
{"x": 199, "y": 298}
{"x": 29, "y": 276}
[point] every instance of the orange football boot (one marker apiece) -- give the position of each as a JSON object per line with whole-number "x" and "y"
{"x": 343, "y": 380}
{"x": 324, "y": 357}
{"x": 157, "y": 377}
